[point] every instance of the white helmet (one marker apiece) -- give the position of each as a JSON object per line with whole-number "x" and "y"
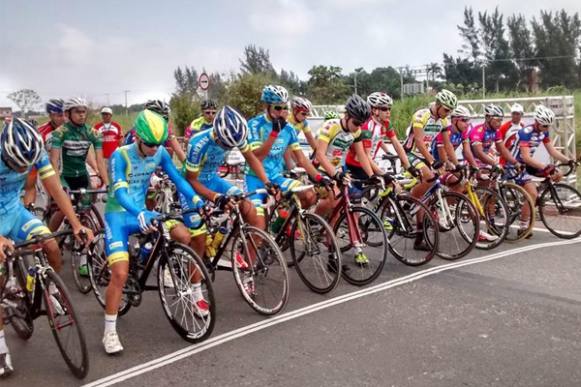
{"x": 301, "y": 103}
{"x": 447, "y": 99}
{"x": 544, "y": 115}
{"x": 21, "y": 144}
{"x": 461, "y": 112}
{"x": 493, "y": 111}
{"x": 379, "y": 99}
{"x": 230, "y": 128}
{"x": 106, "y": 110}
{"x": 75, "y": 102}
{"x": 517, "y": 108}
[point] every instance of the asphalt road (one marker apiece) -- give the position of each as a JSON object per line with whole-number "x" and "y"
{"x": 511, "y": 318}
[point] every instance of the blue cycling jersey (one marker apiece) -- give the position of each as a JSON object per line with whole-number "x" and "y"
{"x": 260, "y": 128}
{"x": 12, "y": 183}
{"x": 130, "y": 173}
{"x": 205, "y": 156}
{"x": 530, "y": 138}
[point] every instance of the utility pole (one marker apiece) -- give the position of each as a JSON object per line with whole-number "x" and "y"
{"x": 356, "y": 82}
{"x": 427, "y": 78}
{"x": 126, "y": 107}
{"x": 483, "y": 81}
{"x": 401, "y": 82}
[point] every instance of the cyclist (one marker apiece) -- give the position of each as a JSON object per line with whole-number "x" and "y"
{"x": 269, "y": 138}
{"x": 21, "y": 149}
{"x": 208, "y": 107}
{"x": 509, "y": 129}
{"x": 70, "y": 145}
{"x": 297, "y": 117}
{"x": 527, "y": 141}
{"x": 111, "y": 132}
{"x": 125, "y": 213}
{"x": 376, "y": 133}
{"x": 172, "y": 144}
{"x": 54, "y": 109}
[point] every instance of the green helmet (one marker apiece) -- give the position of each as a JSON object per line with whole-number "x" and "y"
{"x": 331, "y": 115}
{"x": 447, "y": 99}
{"x": 151, "y": 127}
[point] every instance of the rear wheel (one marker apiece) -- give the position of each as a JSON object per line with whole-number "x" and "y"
{"x": 19, "y": 312}
{"x": 560, "y": 210}
{"x": 79, "y": 264}
{"x": 494, "y": 220}
{"x": 516, "y": 199}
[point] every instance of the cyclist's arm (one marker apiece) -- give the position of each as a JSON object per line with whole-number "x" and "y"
{"x": 289, "y": 160}
{"x": 321, "y": 157}
{"x": 421, "y": 145}
{"x": 29, "y": 189}
{"x": 102, "y": 167}
{"x": 53, "y": 187}
{"x": 255, "y": 165}
{"x": 92, "y": 160}
{"x": 5, "y": 243}
{"x": 481, "y": 155}
{"x": 201, "y": 189}
{"x": 305, "y": 163}
{"x": 504, "y": 152}
{"x": 181, "y": 184}
{"x": 120, "y": 184}
{"x": 363, "y": 158}
{"x": 528, "y": 159}
{"x": 403, "y": 157}
{"x": 468, "y": 156}
{"x": 55, "y": 158}
{"x": 262, "y": 150}
{"x": 311, "y": 139}
{"x": 448, "y": 148}
{"x": 177, "y": 148}
{"x": 555, "y": 153}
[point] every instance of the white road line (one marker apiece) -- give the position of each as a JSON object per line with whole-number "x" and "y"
{"x": 244, "y": 331}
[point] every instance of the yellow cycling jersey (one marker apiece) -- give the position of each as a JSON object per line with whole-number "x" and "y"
{"x": 299, "y": 126}
{"x": 432, "y": 125}
{"x": 338, "y": 139}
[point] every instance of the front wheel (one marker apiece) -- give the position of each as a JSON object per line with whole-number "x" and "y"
{"x": 80, "y": 268}
{"x": 186, "y": 293}
{"x": 560, "y": 210}
{"x": 494, "y": 219}
{"x": 65, "y": 326}
{"x": 517, "y": 199}
{"x": 259, "y": 270}
{"x": 363, "y": 245}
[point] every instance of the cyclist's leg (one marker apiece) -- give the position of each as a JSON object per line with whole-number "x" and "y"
{"x": 426, "y": 174}
{"x": 308, "y": 198}
{"x": 252, "y": 184}
{"x": 73, "y": 183}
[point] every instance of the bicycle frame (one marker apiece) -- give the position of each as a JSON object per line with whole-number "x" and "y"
{"x": 346, "y": 205}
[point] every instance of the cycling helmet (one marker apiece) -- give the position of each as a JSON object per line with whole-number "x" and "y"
{"x": 517, "y": 108}
{"x": 230, "y": 128}
{"x": 544, "y": 115}
{"x": 75, "y": 102}
{"x": 331, "y": 116}
{"x": 208, "y": 104}
{"x": 55, "y": 106}
{"x": 151, "y": 127}
{"x": 379, "y": 99}
{"x": 273, "y": 94}
{"x": 447, "y": 98}
{"x": 159, "y": 107}
{"x": 461, "y": 112}
{"x": 21, "y": 144}
{"x": 357, "y": 108}
{"x": 301, "y": 103}
{"x": 493, "y": 111}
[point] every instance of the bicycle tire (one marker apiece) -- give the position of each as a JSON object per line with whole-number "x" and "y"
{"x": 79, "y": 367}
{"x": 547, "y": 205}
{"x": 100, "y": 274}
{"x": 516, "y": 198}
{"x": 327, "y": 268}
{"x": 488, "y": 198}
{"x": 464, "y": 213}
{"x": 83, "y": 283}
{"x": 199, "y": 327}
{"x": 255, "y": 278}
{"x": 353, "y": 272}
{"x": 23, "y": 323}
{"x": 392, "y": 221}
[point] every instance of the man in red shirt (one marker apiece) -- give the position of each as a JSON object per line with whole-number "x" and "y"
{"x": 508, "y": 130}
{"x": 111, "y": 131}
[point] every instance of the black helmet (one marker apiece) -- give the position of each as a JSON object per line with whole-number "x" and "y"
{"x": 357, "y": 108}
{"x": 208, "y": 104}
{"x": 158, "y": 106}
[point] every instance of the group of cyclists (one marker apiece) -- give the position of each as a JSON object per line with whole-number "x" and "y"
{"x": 345, "y": 146}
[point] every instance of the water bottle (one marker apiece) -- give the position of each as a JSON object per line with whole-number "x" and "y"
{"x": 30, "y": 279}
{"x": 218, "y": 237}
{"x": 277, "y": 224}
{"x": 145, "y": 251}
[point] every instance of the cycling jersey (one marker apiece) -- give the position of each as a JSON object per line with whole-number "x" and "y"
{"x": 432, "y": 125}
{"x": 46, "y": 133}
{"x": 205, "y": 156}
{"x": 530, "y": 138}
{"x": 197, "y": 125}
{"x": 112, "y": 134}
{"x": 482, "y": 134}
{"x": 508, "y": 132}
{"x": 456, "y": 138}
{"x": 373, "y": 134}
{"x": 259, "y": 130}
{"x": 338, "y": 139}
{"x": 299, "y": 126}
{"x": 75, "y": 142}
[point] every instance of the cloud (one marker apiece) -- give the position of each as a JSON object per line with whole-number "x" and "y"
{"x": 289, "y": 20}
{"x": 74, "y": 45}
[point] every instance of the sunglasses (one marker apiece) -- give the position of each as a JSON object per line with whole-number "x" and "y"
{"x": 279, "y": 108}
{"x": 544, "y": 126}
{"x": 384, "y": 108}
{"x": 210, "y": 112}
{"x": 150, "y": 145}
{"x": 356, "y": 122}
{"x": 446, "y": 110}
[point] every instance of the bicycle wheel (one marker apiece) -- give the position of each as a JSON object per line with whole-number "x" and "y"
{"x": 262, "y": 280}
{"x": 560, "y": 210}
{"x": 176, "y": 293}
{"x": 458, "y": 225}
{"x": 495, "y": 220}
{"x": 17, "y": 308}
{"x": 100, "y": 273}
{"x": 364, "y": 261}
{"x": 315, "y": 253}
{"x": 64, "y": 324}
{"x": 79, "y": 265}
{"x": 517, "y": 199}
{"x": 407, "y": 223}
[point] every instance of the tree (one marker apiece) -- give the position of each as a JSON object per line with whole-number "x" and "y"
{"x": 186, "y": 80}
{"x": 256, "y": 61}
{"x": 469, "y": 32}
{"x": 326, "y": 85}
{"x": 25, "y": 99}
{"x": 521, "y": 47}
{"x": 435, "y": 69}
{"x": 244, "y": 93}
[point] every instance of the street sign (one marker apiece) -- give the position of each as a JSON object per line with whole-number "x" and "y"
{"x": 204, "y": 81}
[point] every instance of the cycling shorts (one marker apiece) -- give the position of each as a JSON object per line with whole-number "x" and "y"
{"x": 22, "y": 226}
{"x": 253, "y": 183}
{"x": 416, "y": 161}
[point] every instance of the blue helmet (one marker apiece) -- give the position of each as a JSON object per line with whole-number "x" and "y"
{"x": 230, "y": 128}
{"x": 55, "y": 105}
{"x": 273, "y": 94}
{"x": 21, "y": 144}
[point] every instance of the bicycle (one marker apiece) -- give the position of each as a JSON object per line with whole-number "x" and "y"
{"x": 177, "y": 264}
{"x": 313, "y": 247}
{"x": 32, "y": 289}
{"x": 559, "y": 206}
{"x": 256, "y": 262}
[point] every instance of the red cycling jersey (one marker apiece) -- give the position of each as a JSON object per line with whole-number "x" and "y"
{"x": 112, "y": 135}
{"x": 373, "y": 134}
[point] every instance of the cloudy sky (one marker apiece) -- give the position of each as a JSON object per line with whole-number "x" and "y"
{"x": 100, "y": 48}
